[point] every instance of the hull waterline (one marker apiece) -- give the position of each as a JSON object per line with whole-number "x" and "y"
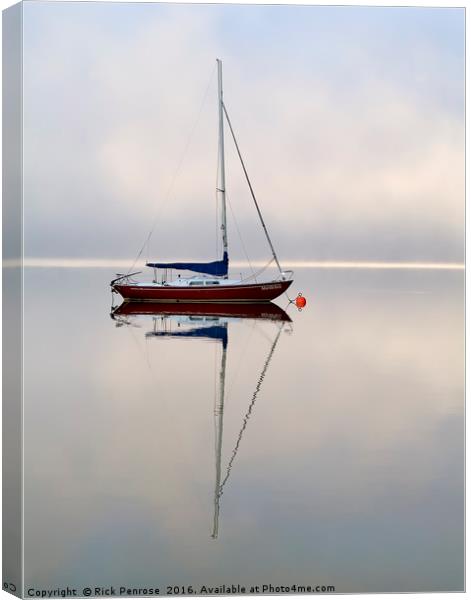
{"x": 255, "y": 292}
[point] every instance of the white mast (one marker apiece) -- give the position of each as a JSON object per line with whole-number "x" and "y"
{"x": 222, "y": 172}
{"x": 218, "y": 422}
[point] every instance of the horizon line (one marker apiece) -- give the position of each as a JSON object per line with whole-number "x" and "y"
{"x": 307, "y": 264}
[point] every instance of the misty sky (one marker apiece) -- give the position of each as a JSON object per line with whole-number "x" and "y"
{"x": 350, "y": 120}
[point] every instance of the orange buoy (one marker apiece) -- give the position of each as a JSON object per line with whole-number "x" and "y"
{"x": 300, "y": 301}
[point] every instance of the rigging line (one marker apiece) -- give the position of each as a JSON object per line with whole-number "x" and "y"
{"x": 176, "y": 173}
{"x": 134, "y": 338}
{"x": 156, "y": 384}
{"x": 251, "y": 189}
{"x": 241, "y": 240}
{"x": 147, "y": 354}
{"x": 262, "y": 332}
{"x": 260, "y": 271}
{"x": 249, "y": 412}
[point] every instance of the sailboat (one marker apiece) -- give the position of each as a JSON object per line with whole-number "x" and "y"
{"x": 212, "y": 284}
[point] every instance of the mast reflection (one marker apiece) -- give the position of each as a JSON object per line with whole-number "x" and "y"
{"x": 209, "y": 322}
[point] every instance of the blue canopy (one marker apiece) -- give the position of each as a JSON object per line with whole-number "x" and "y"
{"x": 218, "y": 268}
{"x": 214, "y": 332}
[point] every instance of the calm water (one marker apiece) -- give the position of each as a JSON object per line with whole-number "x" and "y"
{"x": 345, "y": 450}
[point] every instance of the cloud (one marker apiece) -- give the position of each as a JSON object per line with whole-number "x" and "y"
{"x": 351, "y": 124}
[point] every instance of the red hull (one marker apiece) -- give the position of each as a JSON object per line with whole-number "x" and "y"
{"x": 260, "y": 310}
{"x": 255, "y": 292}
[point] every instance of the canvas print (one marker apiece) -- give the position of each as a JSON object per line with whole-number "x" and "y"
{"x": 233, "y": 274}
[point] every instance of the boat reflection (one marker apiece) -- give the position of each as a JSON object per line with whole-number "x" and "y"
{"x": 209, "y": 322}
{"x": 262, "y": 310}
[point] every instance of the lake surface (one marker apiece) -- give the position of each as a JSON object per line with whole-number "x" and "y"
{"x": 342, "y": 431}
